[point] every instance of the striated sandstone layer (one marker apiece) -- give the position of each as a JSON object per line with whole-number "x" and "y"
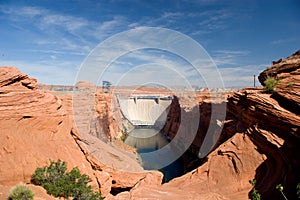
{"x": 288, "y": 73}
{"x": 34, "y": 130}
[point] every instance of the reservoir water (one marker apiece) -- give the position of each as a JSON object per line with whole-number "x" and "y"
{"x": 155, "y": 152}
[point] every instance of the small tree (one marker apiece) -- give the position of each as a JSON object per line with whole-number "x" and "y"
{"x": 255, "y": 195}
{"x": 270, "y": 84}
{"x": 280, "y": 188}
{"x": 106, "y": 86}
{"x": 60, "y": 183}
{"x": 20, "y": 192}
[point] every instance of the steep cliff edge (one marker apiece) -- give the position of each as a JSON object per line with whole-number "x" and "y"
{"x": 260, "y": 140}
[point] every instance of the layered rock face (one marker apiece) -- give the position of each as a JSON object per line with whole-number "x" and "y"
{"x": 34, "y": 130}
{"x": 287, "y": 72}
{"x": 260, "y": 140}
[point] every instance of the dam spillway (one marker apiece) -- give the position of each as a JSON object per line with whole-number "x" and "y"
{"x": 145, "y": 109}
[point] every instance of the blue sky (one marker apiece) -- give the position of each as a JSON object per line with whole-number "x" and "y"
{"x": 49, "y": 40}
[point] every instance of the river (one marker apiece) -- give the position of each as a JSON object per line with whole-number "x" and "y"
{"x": 155, "y": 152}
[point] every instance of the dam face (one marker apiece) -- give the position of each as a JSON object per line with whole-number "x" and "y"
{"x": 145, "y": 110}
{"x": 149, "y": 115}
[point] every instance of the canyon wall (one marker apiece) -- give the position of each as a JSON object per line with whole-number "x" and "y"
{"x": 260, "y": 140}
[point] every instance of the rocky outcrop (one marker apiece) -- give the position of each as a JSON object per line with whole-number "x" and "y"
{"x": 12, "y": 79}
{"x": 34, "y": 130}
{"x": 287, "y": 72}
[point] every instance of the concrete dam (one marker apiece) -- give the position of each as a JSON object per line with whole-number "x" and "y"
{"x": 150, "y": 110}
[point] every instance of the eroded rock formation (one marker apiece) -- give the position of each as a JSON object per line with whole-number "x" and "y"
{"x": 287, "y": 72}
{"x": 34, "y": 130}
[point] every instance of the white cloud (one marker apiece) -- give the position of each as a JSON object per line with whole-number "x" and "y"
{"x": 53, "y": 30}
{"x": 49, "y": 51}
{"x": 70, "y": 23}
{"x": 284, "y": 41}
{"x": 225, "y": 57}
{"x": 174, "y": 15}
{"x": 45, "y": 19}
{"x": 110, "y": 27}
{"x": 24, "y": 11}
{"x": 28, "y": 11}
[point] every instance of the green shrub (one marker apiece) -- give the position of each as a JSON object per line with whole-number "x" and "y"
{"x": 270, "y": 84}
{"x": 60, "y": 183}
{"x": 20, "y": 192}
{"x": 255, "y": 195}
{"x": 298, "y": 190}
{"x": 280, "y": 188}
{"x": 290, "y": 84}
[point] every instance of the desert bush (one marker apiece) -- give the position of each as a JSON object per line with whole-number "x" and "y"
{"x": 20, "y": 192}
{"x": 255, "y": 195}
{"x": 60, "y": 183}
{"x": 270, "y": 84}
{"x": 290, "y": 84}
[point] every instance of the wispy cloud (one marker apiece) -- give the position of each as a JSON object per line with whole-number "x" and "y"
{"x": 55, "y": 30}
{"x": 45, "y": 19}
{"x": 172, "y": 14}
{"x": 215, "y": 19}
{"x": 69, "y": 23}
{"x": 110, "y": 27}
{"x": 23, "y": 11}
{"x": 284, "y": 41}
{"x": 225, "y": 57}
{"x": 48, "y": 51}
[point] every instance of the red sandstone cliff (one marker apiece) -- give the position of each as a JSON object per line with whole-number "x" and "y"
{"x": 34, "y": 129}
